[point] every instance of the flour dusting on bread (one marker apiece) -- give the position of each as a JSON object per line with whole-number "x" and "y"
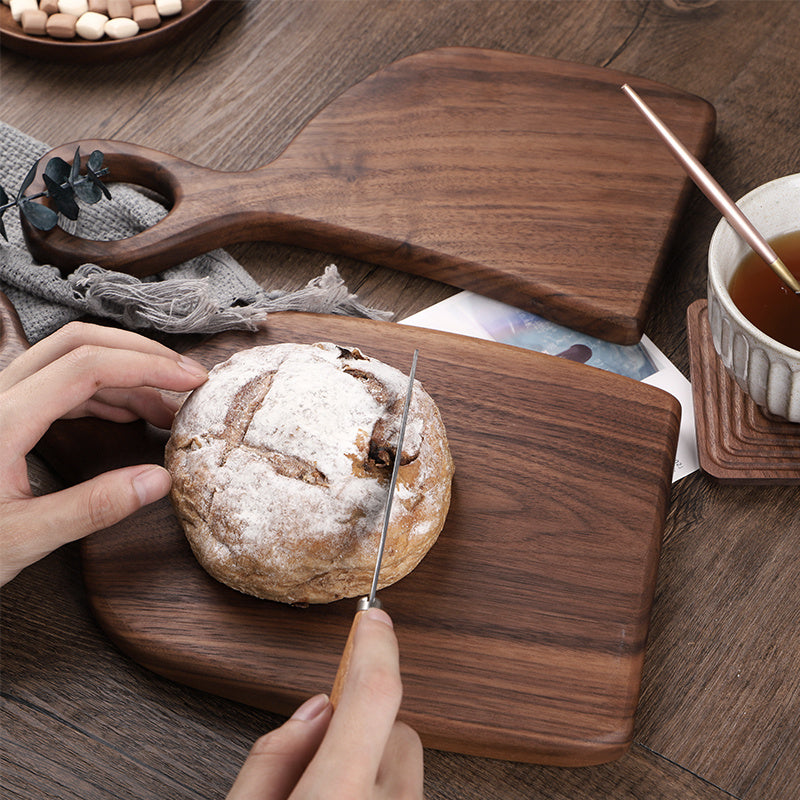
{"x": 281, "y": 464}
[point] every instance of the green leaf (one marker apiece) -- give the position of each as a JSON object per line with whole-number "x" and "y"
{"x": 5, "y": 204}
{"x": 97, "y": 182}
{"x": 39, "y": 216}
{"x": 63, "y": 184}
{"x": 87, "y": 191}
{"x": 95, "y": 161}
{"x": 28, "y": 181}
{"x": 63, "y": 197}
{"x": 76, "y": 167}
{"x": 58, "y": 170}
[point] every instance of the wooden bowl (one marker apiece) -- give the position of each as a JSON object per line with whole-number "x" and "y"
{"x": 80, "y": 51}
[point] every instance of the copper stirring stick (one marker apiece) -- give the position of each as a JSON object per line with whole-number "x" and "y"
{"x": 715, "y": 193}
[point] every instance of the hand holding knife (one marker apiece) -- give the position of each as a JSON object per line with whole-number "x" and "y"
{"x": 371, "y": 601}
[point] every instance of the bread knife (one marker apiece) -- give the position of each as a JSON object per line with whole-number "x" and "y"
{"x": 371, "y": 601}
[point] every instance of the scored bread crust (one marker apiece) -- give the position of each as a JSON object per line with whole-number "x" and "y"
{"x": 281, "y": 464}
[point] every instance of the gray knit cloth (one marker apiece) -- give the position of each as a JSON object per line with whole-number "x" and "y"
{"x": 210, "y": 293}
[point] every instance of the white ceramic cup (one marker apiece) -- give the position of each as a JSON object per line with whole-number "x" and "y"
{"x": 766, "y": 369}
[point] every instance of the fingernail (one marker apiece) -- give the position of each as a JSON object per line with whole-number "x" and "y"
{"x": 379, "y": 615}
{"x": 312, "y": 708}
{"x": 194, "y": 368}
{"x": 151, "y": 484}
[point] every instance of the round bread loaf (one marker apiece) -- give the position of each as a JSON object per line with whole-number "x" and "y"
{"x": 281, "y": 464}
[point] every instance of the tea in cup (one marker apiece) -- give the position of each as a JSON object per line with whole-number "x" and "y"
{"x": 754, "y": 316}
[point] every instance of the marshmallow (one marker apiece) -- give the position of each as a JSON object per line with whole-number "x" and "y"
{"x": 61, "y": 26}
{"x": 34, "y": 22}
{"x": 119, "y": 8}
{"x": 91, "y": 19}
{"x": 121, "y": 28}
{"x": 168, "y": 8}
{"x": 91, "y": 25}
{"x": 74, "y": 7}
{"x": 18, "y": 6}
{"x": 146, "y": 17}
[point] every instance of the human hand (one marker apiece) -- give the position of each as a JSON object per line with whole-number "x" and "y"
{"x": 81, "y": 370}
{"x": 356, "y": 752}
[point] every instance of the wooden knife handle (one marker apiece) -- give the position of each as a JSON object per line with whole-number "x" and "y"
{"x": 344, "y": 662}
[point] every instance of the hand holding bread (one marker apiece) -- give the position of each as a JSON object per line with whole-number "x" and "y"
{"x": 81, "y": 370}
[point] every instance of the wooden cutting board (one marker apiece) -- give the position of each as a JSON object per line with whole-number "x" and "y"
{"x": 522, "y": 632}
{"x": 530, "y": 180}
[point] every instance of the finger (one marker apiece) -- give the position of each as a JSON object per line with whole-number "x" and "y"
{"x": 34, "y": 527}
{"x": 126, "y": 405}
{"x": 58, "y": 388}
{"x": 277, "y": 760}
{"x": 402, "y": 769}
{"x": 360, "y": 729}
{"x": 68, "y": 338}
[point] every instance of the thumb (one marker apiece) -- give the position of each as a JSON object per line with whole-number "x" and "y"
{"x": 37, "y": 526}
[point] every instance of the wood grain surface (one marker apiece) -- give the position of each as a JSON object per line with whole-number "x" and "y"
{"x": 720, "y": 695}
{"x": 544, "y": 558}
{"x": 483, "y": 169}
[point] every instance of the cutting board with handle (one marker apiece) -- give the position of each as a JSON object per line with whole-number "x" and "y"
{"x": 522, "y": 632}
{"x": 530, "y": 180}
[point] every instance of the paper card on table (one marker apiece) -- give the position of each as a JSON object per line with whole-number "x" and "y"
{"x": 471, "y": 314}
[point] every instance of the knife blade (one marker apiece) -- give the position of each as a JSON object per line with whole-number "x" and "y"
{"x": 371, "y": 600}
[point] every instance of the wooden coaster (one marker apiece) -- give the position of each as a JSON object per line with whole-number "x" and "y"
{"x": 736, "y": 441}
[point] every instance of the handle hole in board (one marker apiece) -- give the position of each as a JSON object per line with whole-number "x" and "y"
{"x": 131, "y": 210}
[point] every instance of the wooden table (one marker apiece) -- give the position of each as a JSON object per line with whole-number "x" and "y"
{"x": 720, "y": 702}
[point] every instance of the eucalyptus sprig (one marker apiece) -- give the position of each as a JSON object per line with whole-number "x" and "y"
{"x": 64, "y": 185}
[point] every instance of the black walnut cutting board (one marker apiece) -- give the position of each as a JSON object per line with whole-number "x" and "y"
{"x": 530, "y": 180}
{"x": 522, "y": 633}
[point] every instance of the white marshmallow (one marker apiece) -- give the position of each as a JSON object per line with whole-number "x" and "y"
{"x": 168, "y": 8}
{"x": 18, "y": 6}
{"x": 91, "y": 25}
{"x": 121, "y": 28}
{"x": 74, "y": 7}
